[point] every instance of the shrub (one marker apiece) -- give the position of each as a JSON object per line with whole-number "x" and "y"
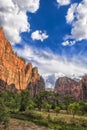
{"x": 49, "y": 117}
{"x": 57, "y": 109}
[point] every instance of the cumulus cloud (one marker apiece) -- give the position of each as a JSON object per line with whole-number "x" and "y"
{"x": 39, "y": 35}
{"x": 51, "y": 63}
{"x": 13, "y": 17}
{"x": 71, "y": 13}
{"x": 63, "y": 2}
{"x": 27, "y": 5}
{"x": 77, "y": 17}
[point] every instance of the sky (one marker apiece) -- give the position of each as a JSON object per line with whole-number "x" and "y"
{"x": 52, "y": 34}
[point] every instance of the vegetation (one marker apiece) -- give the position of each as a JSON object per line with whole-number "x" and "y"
{"x": 4, "y": 114}
{"x": 57, "y": 109}
{"x": 74, "y": 108}
{"x": 70, "y": 115}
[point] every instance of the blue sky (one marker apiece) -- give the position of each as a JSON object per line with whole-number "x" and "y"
{"x": 51, "y": 18}
{"x": 49, "y": 33}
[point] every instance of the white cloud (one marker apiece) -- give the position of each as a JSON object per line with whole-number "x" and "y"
{"x": 77, "y": 16}
{"x": 66, "y": 43}
{"x": 27, "y": 5}
{"x": 71, "y": 13}
{"x": 51, "y": 66}
{"x": 39, "y": 35}
{"x": 13, "y": 17}
{"x": 48, "y": 62}
{"x": 63, "y": 2}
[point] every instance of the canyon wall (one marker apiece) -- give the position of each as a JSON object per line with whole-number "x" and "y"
{"x": 66, "y": 86}
{"x": 14, "y": 73}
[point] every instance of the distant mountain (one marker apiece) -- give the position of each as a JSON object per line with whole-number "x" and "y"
{"x": 76, "y": 88}
{"x": 50, "y": 79}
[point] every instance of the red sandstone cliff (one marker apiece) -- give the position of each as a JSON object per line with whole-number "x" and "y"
{"x": 78, "y": 90}
{"x": 13, "y": 70}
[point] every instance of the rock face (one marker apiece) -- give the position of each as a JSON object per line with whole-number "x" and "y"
{"x": 14, "y": 73}
{"x": 78, "y": 90}
{"x": 84, "y": 87}
{"x": 35, "y": 87}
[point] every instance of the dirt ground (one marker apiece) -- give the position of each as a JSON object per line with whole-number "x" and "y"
{"x": 16, "y": 124}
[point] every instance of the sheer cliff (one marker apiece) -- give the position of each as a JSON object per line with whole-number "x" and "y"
{"x": 78, "y": 90}
{"x": 14, "y": 73}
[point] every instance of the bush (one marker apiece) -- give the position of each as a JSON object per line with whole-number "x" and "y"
{"x": 41, "y": 122}
{"x": 49, "y": 117}
{"x": 33, "y": 115}
{"x": 47, "y": 106}
{"x": 57, "y": 109}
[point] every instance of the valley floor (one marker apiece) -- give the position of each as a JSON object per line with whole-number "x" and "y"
{"x": 47, "y": 121}
{"x": 16, "y": 124}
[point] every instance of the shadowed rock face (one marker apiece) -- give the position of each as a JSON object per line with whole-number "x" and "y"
{"x": 78, "y": 90}
{"x": 13, "y": 70}
{"x": 84, "y": 87}
{"x": 35, "y": 87}
{"x": 5, "y": 86}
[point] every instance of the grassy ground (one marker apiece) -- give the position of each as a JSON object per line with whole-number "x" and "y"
{"x": 62, "y": 114}
{"x": 50, "y": 120}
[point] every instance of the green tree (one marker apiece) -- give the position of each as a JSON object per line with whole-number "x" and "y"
{"x": 39, "y": 100}
{"x": 74, "y": 108}
{"x": 30, "y": 106}
{"x": 25, "y": 99}
{"x": 11, "y": 100}
{"x": 57, "y": 99}
{"x": 17, "y": 98}
{"x": 4, "y": 114}
{"x": 67, "y": 100}
{"x": 47, "y": 106}
{"x": 57, "y": 109}
{"x": 83, "y": 107}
